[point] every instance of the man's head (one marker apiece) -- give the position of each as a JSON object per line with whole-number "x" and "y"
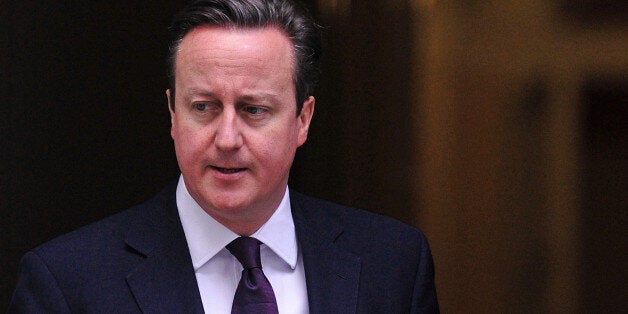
{"x": 236, "y": 127}
{"x": 286, "y": 15}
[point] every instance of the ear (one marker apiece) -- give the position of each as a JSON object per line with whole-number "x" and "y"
{"x": 172, "y": 120}
{"x": 304, "y": 119}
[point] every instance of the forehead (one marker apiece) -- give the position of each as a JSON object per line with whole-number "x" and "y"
{"x": 263, "y": 44}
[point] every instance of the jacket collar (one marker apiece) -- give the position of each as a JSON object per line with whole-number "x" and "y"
{"x": 165, "y": 280}
{"x": 331, "y": 272}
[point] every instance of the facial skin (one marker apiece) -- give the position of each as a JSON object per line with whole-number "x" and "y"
{"x": 235, "y": 126}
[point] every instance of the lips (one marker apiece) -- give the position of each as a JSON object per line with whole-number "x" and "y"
{"x": 228, "y": 170}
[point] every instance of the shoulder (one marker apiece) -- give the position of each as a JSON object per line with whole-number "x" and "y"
{"x": 87, "y": 268}
{"x": 360, "y": 226}
{"x": 106, "y": 236}
{"x": 392, "y": 257}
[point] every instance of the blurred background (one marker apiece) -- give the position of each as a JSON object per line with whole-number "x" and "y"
{"x": 497, "y": 127}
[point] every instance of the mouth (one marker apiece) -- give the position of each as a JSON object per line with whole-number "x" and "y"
{"x": 228, "y": 170}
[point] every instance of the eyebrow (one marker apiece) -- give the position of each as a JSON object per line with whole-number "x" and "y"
{"x": 257, "y": 96}
{"x": 262, "y": 96}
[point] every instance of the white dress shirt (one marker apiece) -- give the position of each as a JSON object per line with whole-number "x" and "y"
{"x": 218, "y": 272}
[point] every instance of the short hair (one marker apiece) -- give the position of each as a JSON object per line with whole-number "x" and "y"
{"x": 287, "y": 15}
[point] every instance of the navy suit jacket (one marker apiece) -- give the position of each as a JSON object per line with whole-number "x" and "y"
{"x": 138, "y": 261}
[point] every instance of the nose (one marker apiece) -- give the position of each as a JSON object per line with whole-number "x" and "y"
{"x": 228, "y": 136}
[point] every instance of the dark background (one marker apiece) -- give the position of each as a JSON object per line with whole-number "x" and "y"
{"x": 86, "y": 126}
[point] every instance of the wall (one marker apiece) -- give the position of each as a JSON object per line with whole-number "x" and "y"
{"x": 502, "y": 159}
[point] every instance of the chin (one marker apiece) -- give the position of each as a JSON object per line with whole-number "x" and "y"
{"x": 228, "y": 207}
{"x": 227, "y": 203}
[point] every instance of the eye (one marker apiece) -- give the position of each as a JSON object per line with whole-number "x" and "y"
{"x": 254, "y": 110}
{"x": 201, "y": 106}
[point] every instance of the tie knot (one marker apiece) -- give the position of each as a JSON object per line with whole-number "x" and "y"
{"x": 246, "y": 250}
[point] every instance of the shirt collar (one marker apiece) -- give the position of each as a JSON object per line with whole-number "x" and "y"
{"x": 206, "y": 236}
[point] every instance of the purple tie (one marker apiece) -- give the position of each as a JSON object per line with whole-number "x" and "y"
{"x": 254, "y": 293}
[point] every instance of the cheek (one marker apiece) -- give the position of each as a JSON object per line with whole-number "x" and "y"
{"x": 187, "y": 142}
{"x": 278, "y": 147}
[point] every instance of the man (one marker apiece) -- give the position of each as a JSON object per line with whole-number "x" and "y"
{"x": 240, "y": 100}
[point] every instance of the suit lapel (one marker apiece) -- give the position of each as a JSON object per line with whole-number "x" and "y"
{"x": 165, "y": 281}
{"x": 331, "y": 272}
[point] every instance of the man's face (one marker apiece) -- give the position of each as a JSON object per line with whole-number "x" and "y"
{"x": 235, "y": 126}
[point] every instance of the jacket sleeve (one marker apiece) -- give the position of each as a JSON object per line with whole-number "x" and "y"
{"x": 37, "y": 290}
{"x": 424, "y": 298}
